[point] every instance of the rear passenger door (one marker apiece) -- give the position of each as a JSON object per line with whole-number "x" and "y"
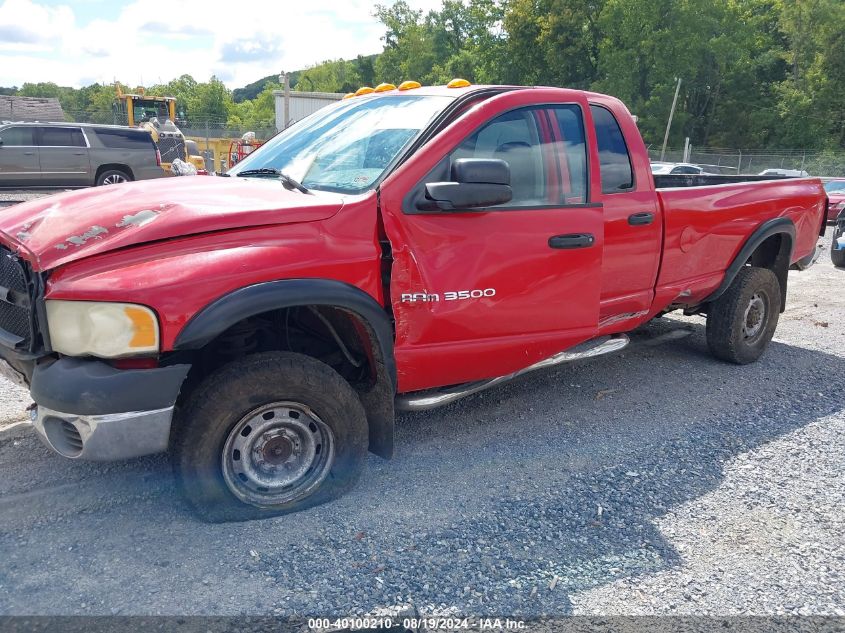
{"x": 18, "y": 157}
{"x": 63, "y": 153}
{"x": 633, "y": 228}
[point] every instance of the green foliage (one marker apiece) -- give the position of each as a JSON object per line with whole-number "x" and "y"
{"x": 755, "y": 73}
{"x": 460, "y": 40}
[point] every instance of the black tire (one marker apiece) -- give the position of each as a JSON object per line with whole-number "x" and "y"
{"x": 737, "y": 330}
{"x": 202, "y": 436}
{"x": 837, "y": 256}
{"x": 113, "y": 177}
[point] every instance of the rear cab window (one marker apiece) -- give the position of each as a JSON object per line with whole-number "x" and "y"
{"x": 617, "y": 174}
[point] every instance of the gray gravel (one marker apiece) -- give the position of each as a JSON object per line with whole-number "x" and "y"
{"x": 9, "y": 197}
{"x": 654, "y": 481}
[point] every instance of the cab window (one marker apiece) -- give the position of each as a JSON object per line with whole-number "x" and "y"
{"x": 545, "y": 150}
{"x": 614, "y": 160}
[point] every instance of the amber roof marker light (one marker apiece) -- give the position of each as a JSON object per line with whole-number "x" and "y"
{"x": 410, "y": 85}
{"x": 363, "y": 90}
{"x": 384, "y": 87}
{"x": 458, "y": 83}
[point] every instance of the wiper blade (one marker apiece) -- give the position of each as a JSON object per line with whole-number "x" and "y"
{"x": 264, "y": 171}
{"x": 287, "y": 181}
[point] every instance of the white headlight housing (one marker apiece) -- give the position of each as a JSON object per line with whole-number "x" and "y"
{"x": 107, "y": 330}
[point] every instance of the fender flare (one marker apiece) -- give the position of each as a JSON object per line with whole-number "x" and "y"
{"x": 231, "y": 308}
{"x": 763, "y": 232}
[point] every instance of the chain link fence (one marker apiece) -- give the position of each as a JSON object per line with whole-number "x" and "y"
{"x": 196, "y": 127}
{"x": 827, "y": 164}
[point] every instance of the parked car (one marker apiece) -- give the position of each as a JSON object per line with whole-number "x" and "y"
{"x": 658, "y": 168}
{"x": 786, "y": 173}
{"x": 75, "y": 155}
{"x": 397, "y": 250}
{"x": 835, "y": 197}
{"x": 837, "y": 245}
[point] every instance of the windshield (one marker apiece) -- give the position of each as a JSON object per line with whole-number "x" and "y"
{"x": 660, "y": 169}
{"x": 346, "y": 147}
{"x": 835, "y": 186}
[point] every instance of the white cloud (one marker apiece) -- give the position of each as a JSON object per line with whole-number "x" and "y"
{"x": 29, "y": 27}
{"x": 197, "y": 37}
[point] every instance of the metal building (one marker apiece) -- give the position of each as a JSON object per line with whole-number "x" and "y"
{"x": 298, "y": 105}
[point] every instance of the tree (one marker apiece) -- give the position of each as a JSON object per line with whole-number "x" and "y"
{"x": 552, "y": 42}
{"x": 335, "y": 75}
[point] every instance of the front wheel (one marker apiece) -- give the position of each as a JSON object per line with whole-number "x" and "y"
{"x": 742, "y": 321}
{"x": 270, "y": 434}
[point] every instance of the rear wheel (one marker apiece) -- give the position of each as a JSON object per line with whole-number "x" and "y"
{"x": 267, "y": 435}
{"x": 742, "y": 321}
{"x": 112, "y": 177}
{"x": 837, "y": 256}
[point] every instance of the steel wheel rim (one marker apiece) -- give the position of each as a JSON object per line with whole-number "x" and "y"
{"x": 277, "y": 454}
{"x": 754, "y": 317}
{"x": 114, "y": 179}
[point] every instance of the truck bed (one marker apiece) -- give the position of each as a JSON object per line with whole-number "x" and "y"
{"x": 706, "y": 220}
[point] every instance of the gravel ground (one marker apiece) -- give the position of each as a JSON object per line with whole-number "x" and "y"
{"x": 654, "y": 481}
{"x": 13, "y": 196}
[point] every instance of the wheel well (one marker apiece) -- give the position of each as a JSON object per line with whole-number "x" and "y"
{"x": 116, "y": 166}
{"x": 334, "y": 335}
{"x": 774, "y": 253}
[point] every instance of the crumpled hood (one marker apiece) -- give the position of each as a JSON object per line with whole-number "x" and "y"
{"x": 57, "y": 229}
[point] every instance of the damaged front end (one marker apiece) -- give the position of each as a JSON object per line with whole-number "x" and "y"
{"x": 23, "y": 322}
{"x": 84, "y": 407}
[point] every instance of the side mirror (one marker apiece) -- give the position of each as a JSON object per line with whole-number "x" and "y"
{"x": 477, "y": 183}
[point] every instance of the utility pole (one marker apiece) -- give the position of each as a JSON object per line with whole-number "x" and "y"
{"x": 285, "y": 81}
{"x": 669, "y": 123}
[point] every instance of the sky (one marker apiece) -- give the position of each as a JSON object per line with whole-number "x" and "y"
{"x": 80, "y": 42}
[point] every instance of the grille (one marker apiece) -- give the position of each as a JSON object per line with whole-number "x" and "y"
{"x": 171, "y": 148}
{"x": 14, "y": 297}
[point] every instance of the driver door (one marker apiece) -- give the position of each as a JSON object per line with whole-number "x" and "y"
{"x": 479, "y": 293}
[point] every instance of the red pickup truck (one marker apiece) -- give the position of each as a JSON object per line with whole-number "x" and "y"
{"x": 397, "y": 250}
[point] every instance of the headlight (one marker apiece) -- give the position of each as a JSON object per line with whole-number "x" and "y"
{"x": 108, "y": 330}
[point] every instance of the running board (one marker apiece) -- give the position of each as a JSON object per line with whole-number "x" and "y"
{"x": 424, "y": 400}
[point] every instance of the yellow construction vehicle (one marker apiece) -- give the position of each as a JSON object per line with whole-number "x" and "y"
{"x": 134, "y": 109}
{"x": 158, "y": 116}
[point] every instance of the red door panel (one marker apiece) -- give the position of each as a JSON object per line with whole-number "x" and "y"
{"x": 633, "y": 229}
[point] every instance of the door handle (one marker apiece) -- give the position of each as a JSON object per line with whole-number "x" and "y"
{"x": 29, "y": 153}
{"x": 572, "y": 240}
{"x": 641, "y": 219}
{"x": 79, "y": 153}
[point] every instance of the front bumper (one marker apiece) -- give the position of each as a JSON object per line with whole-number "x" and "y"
{"x": 108, "y": 437}
{"x": 87, "y": 409}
